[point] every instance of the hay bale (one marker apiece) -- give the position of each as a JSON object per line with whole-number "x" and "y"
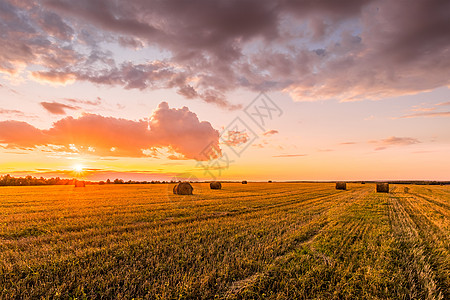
{"x": 270, "y": 181}
{"x": 79, "y": 183}
{"x": 244, "y": 182}
{"x": 406, "y": 189}
{"x": 341, "y": 186}
{"x": 383, "y": 187}
{"x": 215, "y": 185}
{"x": 183, "y": 188}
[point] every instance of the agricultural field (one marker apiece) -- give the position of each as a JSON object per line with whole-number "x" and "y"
{"x": 254, "y": 241}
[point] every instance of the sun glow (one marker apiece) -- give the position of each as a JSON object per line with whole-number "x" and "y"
{"x": 78, "y": 168}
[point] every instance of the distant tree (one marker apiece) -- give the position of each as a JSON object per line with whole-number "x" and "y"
{"x": 8, "y": 180}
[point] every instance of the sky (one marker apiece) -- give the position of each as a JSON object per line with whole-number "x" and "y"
{"x": 225, "y": 89}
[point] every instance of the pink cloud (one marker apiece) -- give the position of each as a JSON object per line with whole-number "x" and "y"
{"x": 179, "y": 130}
{"x": 427, "y": 112}
{"x": 290, "y": 155}
{"x": 57, "y": 108}
{"x": 427, "y": 115}
{"x": 394, "y": 141}
{"x": 11, "y": 112}
{"x": 424, "y": 109}
{"x": 96, "y": 101}
{"x": 235, "y": 138}
{"x": 57, "y": 77}
{"x": 260, "y": 145}
{"x": 270, "y": 132}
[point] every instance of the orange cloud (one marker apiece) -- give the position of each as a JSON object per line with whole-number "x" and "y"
{"x": 54, "y": 77}
{"x": 20, "y": 134}
{"x": 178, "y": 130}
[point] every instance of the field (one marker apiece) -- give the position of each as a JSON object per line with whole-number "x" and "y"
{"x": 254, "y": 241}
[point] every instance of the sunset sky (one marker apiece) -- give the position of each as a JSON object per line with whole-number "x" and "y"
{"x": 230, "y": 90}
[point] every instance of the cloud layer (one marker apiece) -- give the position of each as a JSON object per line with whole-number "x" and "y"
{"x": 309, "y": 49}
{"x": 394, "y": 141}
{"x": 429, "y": 111}
{"x": 177, "y": 130}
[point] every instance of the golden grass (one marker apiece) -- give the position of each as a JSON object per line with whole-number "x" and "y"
{"x": 255, "y": 241}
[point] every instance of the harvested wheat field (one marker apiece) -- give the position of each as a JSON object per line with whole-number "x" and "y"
{"x": 260, "y": 241}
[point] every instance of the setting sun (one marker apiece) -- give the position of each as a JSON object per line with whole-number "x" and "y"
{"x": 78, "y": 168}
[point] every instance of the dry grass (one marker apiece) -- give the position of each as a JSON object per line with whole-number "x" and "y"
{"x": 275, "y": 241}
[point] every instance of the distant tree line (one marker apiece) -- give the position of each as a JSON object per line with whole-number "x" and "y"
{"x": 8, "y": 180}
{"x": 421, "y": 182}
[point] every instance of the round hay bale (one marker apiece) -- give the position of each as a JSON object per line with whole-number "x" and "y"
{"x": 244, "y": 182}
{"x": 183, "y": 188}
{"x": 341, "y": 186}
{"x": 270, "y": 181}
{"x": 80, "y": 183}
{"x": 383, "y": 187}
{"x": 215, "y": 185}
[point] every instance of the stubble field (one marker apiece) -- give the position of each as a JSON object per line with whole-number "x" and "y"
{"x": 254, "y": 241}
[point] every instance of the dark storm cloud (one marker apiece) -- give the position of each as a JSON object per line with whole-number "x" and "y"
{"x": 363, "y": 49}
